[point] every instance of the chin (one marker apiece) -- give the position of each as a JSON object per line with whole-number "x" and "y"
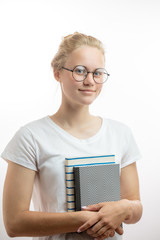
{"x": 87, "y": 103}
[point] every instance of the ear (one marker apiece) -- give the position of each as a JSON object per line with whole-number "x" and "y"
{"x": 56, "y": 74}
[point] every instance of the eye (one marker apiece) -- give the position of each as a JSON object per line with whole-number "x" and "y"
{"x": 98, "y": 73}
{"x": 80, "y": 70}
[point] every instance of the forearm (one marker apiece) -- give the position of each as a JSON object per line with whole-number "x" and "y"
{"x": 134, "y": 210}
{"x": 30, "y": 223}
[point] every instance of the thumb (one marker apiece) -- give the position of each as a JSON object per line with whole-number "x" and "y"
{"x": 94, "y": 207}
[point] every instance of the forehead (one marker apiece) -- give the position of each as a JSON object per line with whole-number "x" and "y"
{"x": 90, "y": 57}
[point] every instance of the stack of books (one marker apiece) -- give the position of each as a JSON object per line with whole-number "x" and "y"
{"x": 90, "y": 180}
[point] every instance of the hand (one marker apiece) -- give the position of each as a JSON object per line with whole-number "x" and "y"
{"x": 85, "y": 216}
{"x": 109, "y": 217}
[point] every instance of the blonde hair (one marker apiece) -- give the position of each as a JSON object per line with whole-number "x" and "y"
{"x": 72, "y": 42}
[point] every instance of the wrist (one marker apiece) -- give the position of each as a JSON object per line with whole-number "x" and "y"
{"x": 126, "y": 206}
{"x": 79, "y": 217}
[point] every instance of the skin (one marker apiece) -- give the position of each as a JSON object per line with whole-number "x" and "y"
{"x": 73, "y": 114}
{"x": 99, "y": 221}
{"x": 112, "y": 214}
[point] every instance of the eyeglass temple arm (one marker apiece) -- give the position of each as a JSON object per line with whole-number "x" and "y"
{"x": 67, "y": 69}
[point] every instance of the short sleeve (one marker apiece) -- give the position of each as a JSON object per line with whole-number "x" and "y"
{"x": 131, "y": 150}
{"x": 21, "y": 149}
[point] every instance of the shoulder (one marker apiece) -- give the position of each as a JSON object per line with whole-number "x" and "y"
{"x": 35, "y": 127}
{"x": 38, "y": 123}
{"x": 116, "y": 126}
{"x": 122, "y": 137}
{"x": 118, "y": 130}
{"x": 28, "y": 132}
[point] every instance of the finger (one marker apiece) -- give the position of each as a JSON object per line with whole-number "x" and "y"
{"x": 105, "y": 235}
{"x": 99, "y": 233}
{"x": 87, "y": 225}
{"x": 111, "y": 233}
{"x": 119, "y": 230}
{"x": 84, "y": 208}
{"x": 88, "y": 208}
{"x": 95, "y": 207}
{"x": 98, "y": 229}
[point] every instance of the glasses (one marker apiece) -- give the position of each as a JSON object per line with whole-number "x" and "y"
{"x": 80, "y": 73}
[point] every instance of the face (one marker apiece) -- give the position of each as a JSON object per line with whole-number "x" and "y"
{"x": 81, "y": 93}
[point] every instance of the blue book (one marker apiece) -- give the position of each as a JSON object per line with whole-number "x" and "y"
{"x": 73, "y": 163}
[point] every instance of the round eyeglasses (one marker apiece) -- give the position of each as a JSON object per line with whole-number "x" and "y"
{"x": 80, "y": 73}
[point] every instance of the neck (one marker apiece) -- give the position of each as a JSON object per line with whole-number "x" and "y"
{"x": 72, "y": 115}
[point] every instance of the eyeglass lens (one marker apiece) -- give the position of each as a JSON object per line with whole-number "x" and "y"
{"x": 100, "y": 75}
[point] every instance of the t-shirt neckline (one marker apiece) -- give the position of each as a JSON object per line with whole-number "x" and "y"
{"x": 71, "y": 137}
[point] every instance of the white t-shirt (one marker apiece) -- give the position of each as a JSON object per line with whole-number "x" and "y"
{"x": 42, "y": 146}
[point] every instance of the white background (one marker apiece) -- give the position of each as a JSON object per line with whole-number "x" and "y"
{"x": 30, "y": 32}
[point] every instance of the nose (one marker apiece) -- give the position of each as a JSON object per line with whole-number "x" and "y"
{"x": 89, "y": 79}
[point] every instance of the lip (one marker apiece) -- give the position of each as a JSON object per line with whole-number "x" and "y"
{"x": 87, "y": 90}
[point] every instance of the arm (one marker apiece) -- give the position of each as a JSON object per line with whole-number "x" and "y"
{"x": 130, "y": 193}
{"x": 112, "y": 214}
{"x": 20, "y": 221}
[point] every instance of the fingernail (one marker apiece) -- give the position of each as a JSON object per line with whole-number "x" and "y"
{"x": 78, "y": 231}
{"x": 83, "y": 207}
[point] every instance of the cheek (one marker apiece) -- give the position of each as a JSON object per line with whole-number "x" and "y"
{"x": 99, "y": 89}
{"x": 68, "y": 87}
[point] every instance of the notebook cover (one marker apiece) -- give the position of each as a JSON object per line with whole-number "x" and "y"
{"x": 77, "y": 162}
{"x": 97, "y": 183}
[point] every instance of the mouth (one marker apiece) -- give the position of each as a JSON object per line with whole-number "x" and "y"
{"x": 87, "y": 90}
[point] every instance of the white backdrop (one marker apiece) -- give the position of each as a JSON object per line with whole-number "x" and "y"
{"x": 30, "y": 32}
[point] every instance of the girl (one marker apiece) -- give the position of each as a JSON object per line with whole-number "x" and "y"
{"x": 37, "y": 152}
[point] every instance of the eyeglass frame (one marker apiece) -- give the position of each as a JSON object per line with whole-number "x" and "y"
{"x": 72, "y": 70}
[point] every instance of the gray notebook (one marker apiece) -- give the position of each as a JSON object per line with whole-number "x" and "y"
{"x": 96, "y": 183}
